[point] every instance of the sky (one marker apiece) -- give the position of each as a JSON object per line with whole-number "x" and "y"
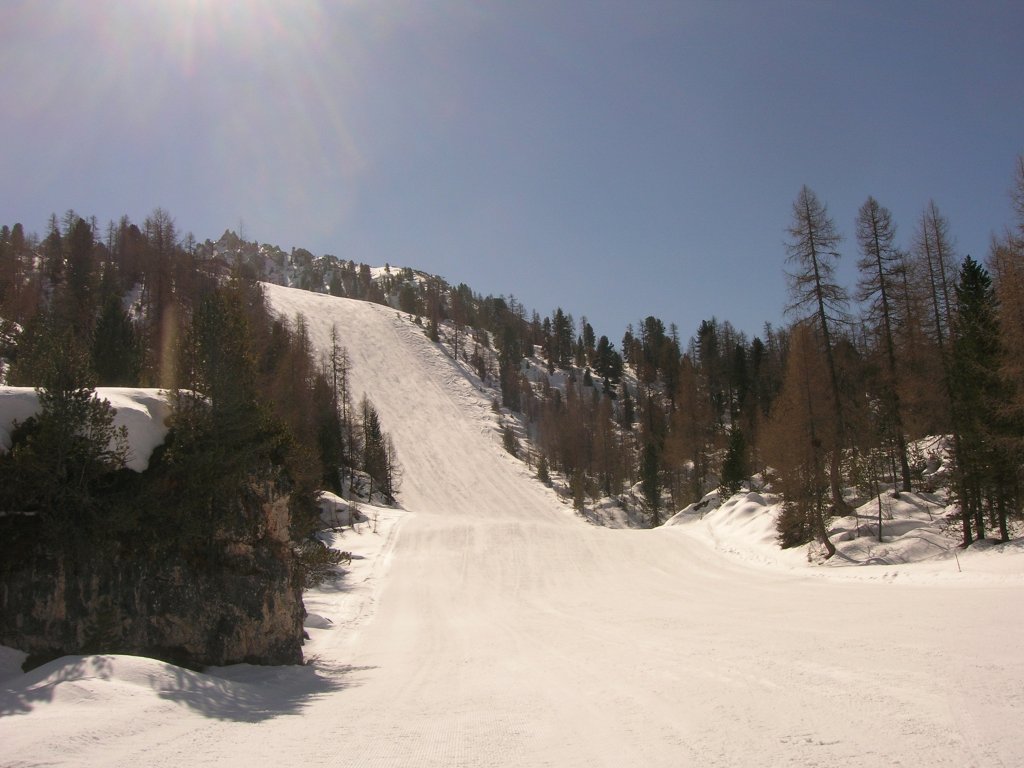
{"x": 614, "y": 159}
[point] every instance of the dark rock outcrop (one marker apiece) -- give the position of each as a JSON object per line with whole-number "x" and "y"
{"x": 236, "y": 601}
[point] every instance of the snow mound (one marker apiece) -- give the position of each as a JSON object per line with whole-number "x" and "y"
{"x": 912, "y": 531}
{"x": 86, "y": 689}
{"x": 143, "y": 412}
{"x": 742, "y": 525}
{"x": 916, "y": 541}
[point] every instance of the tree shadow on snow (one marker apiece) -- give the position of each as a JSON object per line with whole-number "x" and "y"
{"x": 242, "y": 693}
{"x": 246, "y": 693}
{"x": 21, "y": 695}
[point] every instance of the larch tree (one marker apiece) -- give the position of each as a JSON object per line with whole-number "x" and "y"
{"x": 162, "y": 327}
{"x": 935, "y": 262}
{"x": 813, "y": 255}
{"x": 880, "y": 266}
{"x": 797, "y": 431}
{"x": 1006, "y": 263}
{"x": 934, "y": 265}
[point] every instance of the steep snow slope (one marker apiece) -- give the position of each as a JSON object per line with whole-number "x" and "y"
{"x": 442, "y": 426}
{"x": 505, "y": 632}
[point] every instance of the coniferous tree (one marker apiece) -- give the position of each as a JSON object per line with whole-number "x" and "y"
{"x": 224, "y": 444}
{"x": 816, "y": 294}
{"x": 375, "y": 454}
{"x": 53, "y": 252}
{"x": 163, "y": 322}
{"x": 510, "y": 356}
{"x": 735, "y": 468}
{"x": 588, "y": 341}
{"x": 986, "y": 469}
{"x": 74, "y": 300}
{"x": 692, "y": 428}
{"x": 608, "y": 365}
{"x": 560, "y": 340}
{"x": 880, "y": 266}
{"x": 339, "y": 367}
{"x": 627, "y": 413}
{"x": 650, "y": 482}
{"x": 543, "y": 471}
{"x": 116, "y": 354}
{"x": 63, "y": 457}
{"x": 798, "y": 431}
{"x": 1007, "y": 267}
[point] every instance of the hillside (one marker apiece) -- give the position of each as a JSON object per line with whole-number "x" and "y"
{"x": 441, "y": 422}
{"x": 485, "y": 624}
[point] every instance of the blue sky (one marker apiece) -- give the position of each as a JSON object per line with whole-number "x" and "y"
{"x": 617, "y": 159}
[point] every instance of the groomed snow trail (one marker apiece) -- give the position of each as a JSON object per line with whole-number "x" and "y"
{"x": 509, "y": 633}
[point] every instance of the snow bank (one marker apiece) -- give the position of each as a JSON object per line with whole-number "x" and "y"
{"x": 143, "y": 412}
{"x": 742, "y": 525}
{"x": 335, "y": 511}
{"x": 916, "y": 541}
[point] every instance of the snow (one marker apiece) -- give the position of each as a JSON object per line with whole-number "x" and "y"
{"x": 484, "y": 624}
{"x": 143, "y": 412}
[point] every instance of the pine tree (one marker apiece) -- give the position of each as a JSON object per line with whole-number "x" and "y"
{"x": 735, "y": 467}
{"x": 650, "y": 482}
{"x": 608, "y": 365}
{"x": 225, "y": 453}
{"x": 53, "y": 251}
{"x": 543, "y": 472}
{"x": 81, "y": 277}
{"x": 116, "y": 353}
{"x": 510, "y": 356}
{"x": 375, "y": 455}
{"x": 986, "y": 469}
{"x": 64, "y": 456}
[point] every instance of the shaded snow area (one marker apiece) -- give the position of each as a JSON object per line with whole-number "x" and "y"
{"x": 142, "y": 412}
{"x": 484, "y": 624}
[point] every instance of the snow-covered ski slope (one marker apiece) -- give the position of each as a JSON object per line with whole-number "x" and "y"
{"x": 441, "y": 424}
{"x": 494, "y": 628}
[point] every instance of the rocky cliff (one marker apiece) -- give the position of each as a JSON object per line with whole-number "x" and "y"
{"x": 235, "y": 601}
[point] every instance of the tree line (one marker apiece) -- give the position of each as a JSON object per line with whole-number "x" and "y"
{"x": 926, "y": 343}
{"x": 257, "y": 413}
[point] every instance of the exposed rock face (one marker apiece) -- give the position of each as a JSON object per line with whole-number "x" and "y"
{"x": 239, "y": 602}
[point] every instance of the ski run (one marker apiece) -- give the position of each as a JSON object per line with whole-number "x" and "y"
{"x": 483, "y": 623}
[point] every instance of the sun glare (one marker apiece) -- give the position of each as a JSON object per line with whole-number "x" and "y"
{"x": 235, "y": 27}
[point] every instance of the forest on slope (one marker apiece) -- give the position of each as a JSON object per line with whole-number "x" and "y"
{"x": 823, "y": 409}
{"x": 827, "y": 409}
